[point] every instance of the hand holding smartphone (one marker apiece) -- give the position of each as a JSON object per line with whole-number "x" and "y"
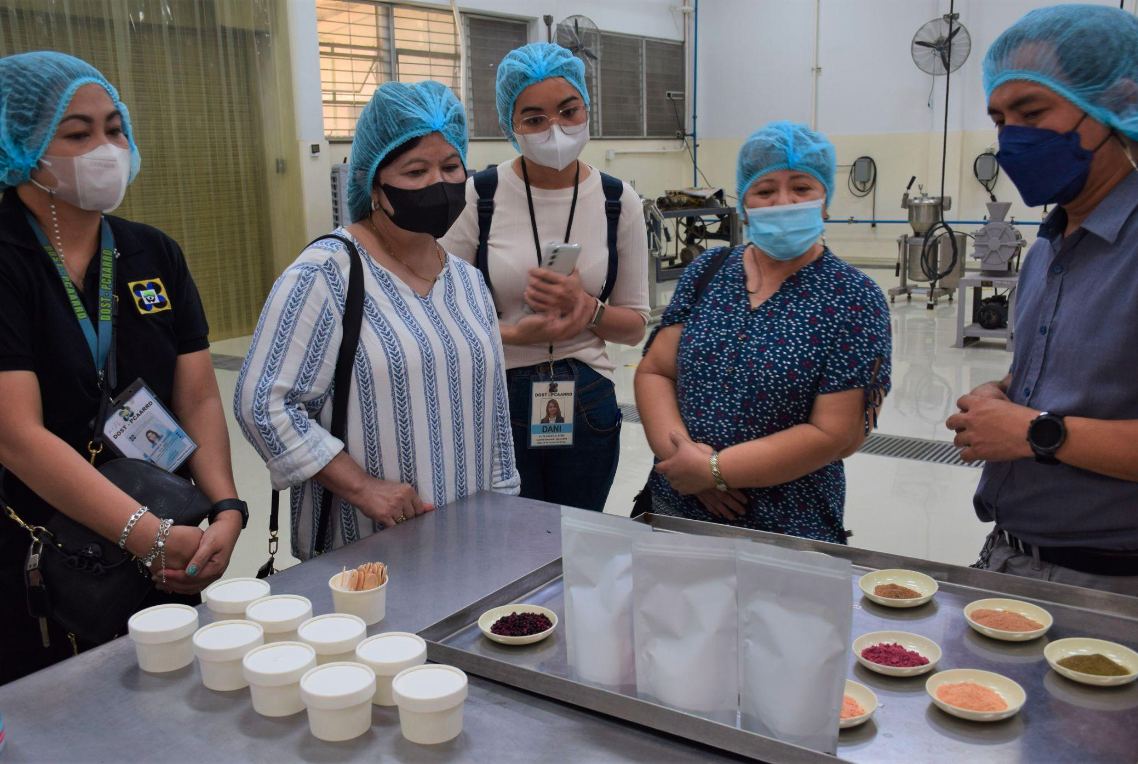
{"x": 559, "y": 257}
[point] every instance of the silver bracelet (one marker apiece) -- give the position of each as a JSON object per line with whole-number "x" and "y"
{"x": 130, "y": 525}
{"x": 159, "y": 547}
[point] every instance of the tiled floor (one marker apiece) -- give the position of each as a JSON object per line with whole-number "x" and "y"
{"x": 892, "y": 505}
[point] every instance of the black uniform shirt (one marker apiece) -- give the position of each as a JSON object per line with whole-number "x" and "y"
{"x": 39, "y": 332}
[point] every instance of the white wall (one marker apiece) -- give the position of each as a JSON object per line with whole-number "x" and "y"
{"x": 650, "y": 18}
{"x": 872, "y": 99}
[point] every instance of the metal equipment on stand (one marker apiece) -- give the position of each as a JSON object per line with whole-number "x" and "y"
{"x": 933, "y": 255}
{"x": 997, "y": 246}
{"x": 679, "y": 235}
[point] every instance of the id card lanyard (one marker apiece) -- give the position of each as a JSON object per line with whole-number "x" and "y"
{"x": 552, "y": 401}
{"x": 100, "y": 344}
{"x": 533, "y": 223}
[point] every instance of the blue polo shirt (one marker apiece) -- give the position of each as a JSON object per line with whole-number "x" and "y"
{"x": 1076, "y": 354}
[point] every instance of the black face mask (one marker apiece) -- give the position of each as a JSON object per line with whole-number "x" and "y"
{"x": 431, "y": 209}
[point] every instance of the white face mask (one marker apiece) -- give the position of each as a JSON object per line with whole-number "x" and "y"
{"x": 93, "y": 181}
{"x": 553, "y": 148}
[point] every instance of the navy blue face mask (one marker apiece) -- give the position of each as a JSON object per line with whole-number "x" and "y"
{"x": 1046, "y": 166}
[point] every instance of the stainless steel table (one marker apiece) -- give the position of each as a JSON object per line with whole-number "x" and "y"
{"x": 100, "y": 707}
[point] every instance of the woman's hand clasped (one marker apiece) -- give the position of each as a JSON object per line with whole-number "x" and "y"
{"x": 209, "y": 560}
{"x": 389, "y": 503}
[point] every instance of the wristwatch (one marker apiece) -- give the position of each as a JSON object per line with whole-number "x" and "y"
{"x": 1046, "y": 435}
{"x": 598, "y": 315}
{"x": 227, "y": 504}
{"x": 715, "y": 473}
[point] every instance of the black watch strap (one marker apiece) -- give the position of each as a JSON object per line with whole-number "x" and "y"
{"x": 227, "y": 504}
{"x": 1045, "y": 451}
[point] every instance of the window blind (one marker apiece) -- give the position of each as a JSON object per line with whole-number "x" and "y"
{"x": 488, "y": 40}
{"x": 364, "y": 44}
{"x": 664, "y": 71}
{"x": 622, "y": 86}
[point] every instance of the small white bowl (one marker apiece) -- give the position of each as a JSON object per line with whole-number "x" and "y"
{"x": 221, "y": 647}
{"x": 1035, "y": 613}
{"x": 273, "y": 672}
{"x": 490, "y": 617}
{"x": 1064, "y": 648}
{"x": 865, "y": 698}
{"x": 910, "y": 578}
{"x": 915, "y": 642}
{"x": 1011, "y": 692}
{"x": 368, "y": 604}
{"x": 231, "y": 596}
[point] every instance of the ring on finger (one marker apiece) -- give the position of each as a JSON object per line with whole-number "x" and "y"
{"x": 400, "y": 519}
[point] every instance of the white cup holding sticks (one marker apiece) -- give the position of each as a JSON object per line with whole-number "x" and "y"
{"x": 361, "y": 592}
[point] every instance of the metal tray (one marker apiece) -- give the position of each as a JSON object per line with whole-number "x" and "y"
{"x": 1061, "y": 721}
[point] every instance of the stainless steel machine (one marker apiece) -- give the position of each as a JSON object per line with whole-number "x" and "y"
{"x": 998, "y": 246}
{"x": 921, "y": 258}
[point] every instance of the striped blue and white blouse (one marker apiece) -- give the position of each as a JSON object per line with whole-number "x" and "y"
{"x": 428, "y": 400}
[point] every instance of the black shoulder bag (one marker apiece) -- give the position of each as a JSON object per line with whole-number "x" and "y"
{"x": 341, "y": 386}
{"x": 83, "y": 581}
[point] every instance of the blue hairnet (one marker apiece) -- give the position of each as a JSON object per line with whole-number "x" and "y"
{"x": 1086, "y": 53}
{"x": 528, "y": 65}
{"x": 35, "y": 91}
{"x": 397, "y": 113}
{"x": 785, "y": 146}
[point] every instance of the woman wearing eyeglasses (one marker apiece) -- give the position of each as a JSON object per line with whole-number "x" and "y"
{"x": 554, "y": 327}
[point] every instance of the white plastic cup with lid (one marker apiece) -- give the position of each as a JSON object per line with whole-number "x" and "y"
{"x": 280, "y": 615}
{"x": 220, "y": 647}
{"x": 430, "y": 699}
{"x": 334, "y": 635}
{"x": 368, "y": 604}
{"x": 387, "y": 655}
{"x": 231, "y": 596}
{"x": 163, "y": 637}
{"x": 273, "y": 672}
{"x": 338, "y": 698}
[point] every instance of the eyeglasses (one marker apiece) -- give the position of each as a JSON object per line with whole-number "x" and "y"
{"x": 572, "y": 119}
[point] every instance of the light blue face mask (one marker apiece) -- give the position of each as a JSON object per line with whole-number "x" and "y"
{"x": 785, "y": 232}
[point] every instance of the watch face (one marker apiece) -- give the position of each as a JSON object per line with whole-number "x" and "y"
{"x": 1046, "y": 433}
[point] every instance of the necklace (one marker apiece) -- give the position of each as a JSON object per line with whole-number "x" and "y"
{"x": 404, "y": 263}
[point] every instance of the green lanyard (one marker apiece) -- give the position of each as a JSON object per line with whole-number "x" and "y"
{"x": 100, "y": 346}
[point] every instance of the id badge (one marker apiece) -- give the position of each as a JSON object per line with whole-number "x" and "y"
{"x": 551, "y": 413}
{"x": 140, "y": 427}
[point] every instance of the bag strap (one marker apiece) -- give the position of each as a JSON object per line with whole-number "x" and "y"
{"x": 709, "y": 272}
{"x": 486, "y": 185}
{"x": 614, "y": 189}
{"x": 341, "y": 387}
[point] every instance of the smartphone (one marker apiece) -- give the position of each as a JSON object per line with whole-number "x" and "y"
{"x": 559, "y": 257}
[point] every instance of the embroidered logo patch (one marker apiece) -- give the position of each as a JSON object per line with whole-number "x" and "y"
{"x": 149, "y": 296}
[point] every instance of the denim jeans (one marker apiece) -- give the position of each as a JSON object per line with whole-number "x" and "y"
{"x": 580, "y": 476}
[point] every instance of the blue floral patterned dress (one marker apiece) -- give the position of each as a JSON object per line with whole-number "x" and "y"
{"x": 745, "y": 374}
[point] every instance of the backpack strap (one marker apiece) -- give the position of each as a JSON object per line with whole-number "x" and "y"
{"x": 341, "y": 385}
{"x": 485, "y": 184}
{"x": 709, "y": 272}
{"x": 613, "y": 188}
